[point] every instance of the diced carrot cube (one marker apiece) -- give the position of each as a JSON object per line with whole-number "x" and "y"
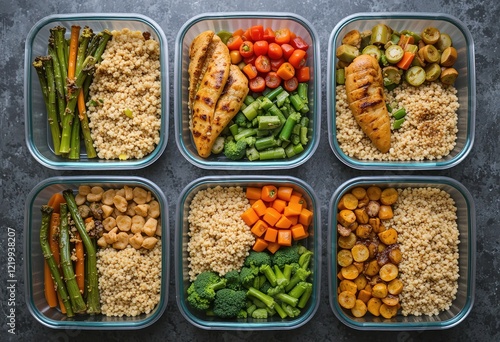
{"x": 292, "y": 209}
{"x": 253, "y": 193}
{"x": 285, "y": 237}
{"x": 249, "y": 216}
{"x": 271, "y": 234}
{"x": 259, "y": 228}
{"x": 271, "y": 216}
{"x": 283, "y": 222}
{"x": 279, "y": 205}
{"x": 260, "y": 245}
{"x": 305, "y": 217}
{"x": 298, "y": 232}
{"x": 294, "y": 219}
{"x": 272, "y": 247}
{"x": 260, "y": 207}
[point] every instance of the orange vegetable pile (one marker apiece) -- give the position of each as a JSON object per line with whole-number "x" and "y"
{"x": 277, "y": 217}
{"x": 270, "y": 57}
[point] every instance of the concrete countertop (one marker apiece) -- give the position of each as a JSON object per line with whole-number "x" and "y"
{"x": 479, "y": 172}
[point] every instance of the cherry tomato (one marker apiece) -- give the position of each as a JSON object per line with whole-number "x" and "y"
{"x": 299, "y": 43}
{"x": 298, "y": 59}
{"x": 274, "y": 51}
{"x": 291, "y": 84}
{"x": 269, "y": 35}
{"x": 282, "y": 36}
{"x": 276, "y": 63}
{"x": 263, "y": 64}
{"x": 257, "y": 84}
{"x": 250, "y": 60}
{"x": 287, "y": 50}
{"x": 260, "y": 47}
{"x": 246, "y": 49}
{"x": 272, "y": 80}
{"x": 234, "y": 43}
{"x": 257, "y": 32}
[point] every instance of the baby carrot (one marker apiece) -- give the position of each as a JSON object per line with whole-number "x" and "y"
{"x": 269, "y": 193}
{"x": 285, "y": 192}
{"x": 253, "y": 193}
{"x": 80, "y": 263}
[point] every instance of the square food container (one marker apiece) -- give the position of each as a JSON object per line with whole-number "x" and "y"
{"x": 37, "y": 131}
{"x": 465, "y": 84}
{"x": 34, "y": 259}
{"x": 313, "y": 243}
{"x": 231, "y": 22}
{"x": 466, "y": 224}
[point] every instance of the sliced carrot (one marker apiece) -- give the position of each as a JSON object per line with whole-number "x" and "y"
{"x": 259, "y": 228}
{"x": 253, "y": 193}
{"x": 305, "y": 217}
{"x": 249, "y": 216}
{"x": 55, "y": 202}
{"x": 405, "y": 62}
{"x": 269, "y": 193}
{"x": 279, "y": 205}
{"x": 271, "y": 216}
{"x": 283, "y": 223}
{"x": 80, "y": 263}
{"x": 271, "y": 234}
{"x": 49, "y": 289}
{"x": 285, "y": 192}
{"x": 260, "y": 207}
{"x": 260, "y": 245}
{"x": 272, "y": 247}
{"x": 285, "y": 237}
{"x": 293, "y": 208}
{"x": 299, "y": 232}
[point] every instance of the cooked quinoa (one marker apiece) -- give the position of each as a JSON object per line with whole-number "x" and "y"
{"x": 428, "y": 133}
{"x": 125, "y": 97}
{"x": 219, "y": 240}
{"x": 425, "y": 219}
{"x": 129, "y": 280}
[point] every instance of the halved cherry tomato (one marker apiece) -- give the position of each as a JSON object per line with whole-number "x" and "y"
{"x": 234, "y": 43}
{"x": 274, "y": 51}
{"x": 257, "y": 32}
{"x": 235, "y": 56}
{"x": 272, "y": 80}
{"x": 287, "y": 50}
{"x": 260, "y": 47}
{"x": 303, "y": 74}
{"x": 263, "y": 64}
{"x": 299, "y": 43}
{"x": 246, "y": 49}
{"x": 250, "y": 71}
{"x": 257, "y": 84}
{"x": 282, "y": 36}
{"x": 291, "y": 84}
{"x": 269, "y": 35}
{"x": 298, "y": 59}
{"x": 276, "y": 63}
{"x": 286, "y": 71}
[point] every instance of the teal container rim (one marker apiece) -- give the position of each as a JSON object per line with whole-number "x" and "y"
{"x": 178, "y": 258}
{"x": 178, "y": 108}
{"x": 400, "y": 165}
{"x": 97, "y": 164}
{"x": 471, "y": 257}
{"x": 95, "y": 325}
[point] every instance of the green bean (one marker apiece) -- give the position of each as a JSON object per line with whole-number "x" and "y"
{"x": 400, "y": 113}
{"x": 397, "y": 123}
{"x": 275, "y": 153}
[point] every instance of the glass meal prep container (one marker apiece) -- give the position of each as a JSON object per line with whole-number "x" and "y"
{"x": 182, "y": 281}
{"x": 37, "y": 131}
{"x": 34, "y": 259}
{"x": 231, "y": 22}
{"x": 466, "y": 225}
{"x": 465, "y": 84}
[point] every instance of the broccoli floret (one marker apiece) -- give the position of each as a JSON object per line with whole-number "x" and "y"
{"x": 260, "y": 313}
{"x": 257, "y": 259}
{"x": 241, "y": 120}
{"x": 235, "y": 150}
{"x": 286, "y": 255}
{"x": 228, "y": 303}
{"x": 242, "y": 314}
{"x": 247, "y": 275}
{"x": 233, "y": 280}
{"x": 206, "y": 283}
{"x": 250, "y": 141}
{"x": 265, "y": 287}
{"x": 196, "y": 301}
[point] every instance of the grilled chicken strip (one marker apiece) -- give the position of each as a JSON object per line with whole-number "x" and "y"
{"x": 200, "y": 48}
{"x": 365, "y": 95}
{"x": 209, "y": 91}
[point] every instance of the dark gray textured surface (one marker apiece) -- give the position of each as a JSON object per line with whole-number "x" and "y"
{"x": 479, "y": 172}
